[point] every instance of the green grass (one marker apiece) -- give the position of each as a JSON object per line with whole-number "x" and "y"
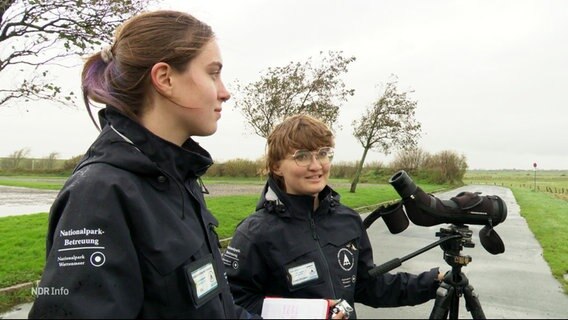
{"x": 22, "y": 248}
{"x": 230, "y": 210}
{"x": 22, "y": 255}
{"x": 547, "y": 217}
{"x": 13, "y": 298}
{"x": 52, "y": 183}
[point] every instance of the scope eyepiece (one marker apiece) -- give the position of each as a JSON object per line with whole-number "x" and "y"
{"x": 402, "y": 183}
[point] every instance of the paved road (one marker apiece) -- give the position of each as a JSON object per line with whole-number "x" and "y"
{"x": 16, "y": 201}
{"x": 514, "y": 285}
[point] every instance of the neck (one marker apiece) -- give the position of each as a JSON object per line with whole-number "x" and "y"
{"x": 163, "y": 125}
{"x": 316, "y": 202}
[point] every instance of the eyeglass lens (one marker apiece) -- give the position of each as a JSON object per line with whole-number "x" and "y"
{"x": 304, "y": 157}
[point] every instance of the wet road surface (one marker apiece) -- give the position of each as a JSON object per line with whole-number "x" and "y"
{"x": 16, "y": 200}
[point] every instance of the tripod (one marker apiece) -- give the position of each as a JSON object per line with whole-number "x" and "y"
{"x": 455, "y": 283}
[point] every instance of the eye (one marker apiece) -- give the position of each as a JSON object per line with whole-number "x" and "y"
{"x": 303, "y": 155}
{"x": 215, "y": 74}
{"x": 325, "y": 153}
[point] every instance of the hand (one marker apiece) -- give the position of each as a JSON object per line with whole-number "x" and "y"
{"x": 342, "y": 312}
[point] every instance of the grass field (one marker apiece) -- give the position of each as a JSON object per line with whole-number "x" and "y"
{"x": 22, "y": 240}
{"x": 552, "y": 181}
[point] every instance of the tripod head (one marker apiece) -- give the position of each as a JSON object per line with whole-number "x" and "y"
{"x": 458, "y": 237}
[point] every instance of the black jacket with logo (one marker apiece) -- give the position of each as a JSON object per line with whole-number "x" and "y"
{"x": 285, "y": 249}
{"x": 129, "y": 234}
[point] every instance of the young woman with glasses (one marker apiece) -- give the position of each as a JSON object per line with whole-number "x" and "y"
{"x": 302, "y": 242}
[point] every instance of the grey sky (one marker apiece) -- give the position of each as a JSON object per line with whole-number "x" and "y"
{"x": 489, "y": 76}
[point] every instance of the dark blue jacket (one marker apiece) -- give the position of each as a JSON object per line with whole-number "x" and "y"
{"x": 286, "y": 249}
{"x": 129, "y": 234}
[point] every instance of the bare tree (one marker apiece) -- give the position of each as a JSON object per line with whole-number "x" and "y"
{"x": 17, "y": 156}
{"x": 50, "y": 160}
{"x": 298, "y": 87}
{"x": 387, "y": 124}
{"x": 37, "y": 34}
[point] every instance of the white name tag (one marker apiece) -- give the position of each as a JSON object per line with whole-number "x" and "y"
{"x": 303, "y": 273}
{"x": 204, "y": 279}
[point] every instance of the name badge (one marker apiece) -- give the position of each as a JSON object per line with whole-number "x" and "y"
{"x": 303, "y": 273}
{"x": 203, "y": 279}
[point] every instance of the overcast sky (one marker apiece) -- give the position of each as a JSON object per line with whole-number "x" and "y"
{"x": 490, "y": 77}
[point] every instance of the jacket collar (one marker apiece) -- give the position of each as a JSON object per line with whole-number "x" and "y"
{"x": 276, "y": 201}
{"x": 189, "y": 160}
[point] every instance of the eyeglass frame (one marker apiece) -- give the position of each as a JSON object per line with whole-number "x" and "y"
{"x": 314, "y": 154}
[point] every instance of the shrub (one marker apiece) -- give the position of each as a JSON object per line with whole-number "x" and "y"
{"x": 242, "y": 168}
{"x": 445, "y": 167}
{"x": 410, "y": 161}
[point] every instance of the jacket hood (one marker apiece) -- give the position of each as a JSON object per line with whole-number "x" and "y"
{"x": 126, "y": 144}
{"x": 276, "y": 201}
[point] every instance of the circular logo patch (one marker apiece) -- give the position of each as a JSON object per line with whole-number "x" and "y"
{"x": 345, "y": 259}
{"x": 97, "y": 259}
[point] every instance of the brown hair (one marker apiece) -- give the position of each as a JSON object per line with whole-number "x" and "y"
{"x": 300, "y": 131}
{"x": 120, "y": 76}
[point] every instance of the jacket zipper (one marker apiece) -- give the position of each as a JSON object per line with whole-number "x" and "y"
{"x": 326, "y": 263}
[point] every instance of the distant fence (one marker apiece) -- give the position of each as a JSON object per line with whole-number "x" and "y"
{"x": 542, "y": 188}
{"x": 31, "y": 164}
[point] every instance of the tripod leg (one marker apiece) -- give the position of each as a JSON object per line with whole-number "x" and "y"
{"x": 472, "y": 303}
{"x": 455, "y": 304}
{"x": 444, "y": 296}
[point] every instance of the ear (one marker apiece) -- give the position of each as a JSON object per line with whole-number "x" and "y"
{"x": 276, "y": 170}
{"x": 161, "y": 78}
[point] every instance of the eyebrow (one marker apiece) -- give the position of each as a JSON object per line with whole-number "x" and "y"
{"x": 216, "y": 64}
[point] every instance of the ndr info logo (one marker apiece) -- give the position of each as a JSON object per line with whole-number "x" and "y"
{"x": 49, "y": 291}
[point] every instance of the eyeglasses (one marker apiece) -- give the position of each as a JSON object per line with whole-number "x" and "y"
{"x": 303, "y": 158}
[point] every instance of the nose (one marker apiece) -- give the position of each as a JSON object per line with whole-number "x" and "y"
{"x": 314, "y": 163}
{"x": 224, "y": 94}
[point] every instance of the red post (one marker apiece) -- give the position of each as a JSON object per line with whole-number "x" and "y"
{"x": 534, "y": 165}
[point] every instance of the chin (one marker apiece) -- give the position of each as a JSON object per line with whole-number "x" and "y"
{"x": 315, "y": 190}
{"x": 204, "y": 132}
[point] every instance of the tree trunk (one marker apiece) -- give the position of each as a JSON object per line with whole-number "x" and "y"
{"x": 359, "y": 170}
